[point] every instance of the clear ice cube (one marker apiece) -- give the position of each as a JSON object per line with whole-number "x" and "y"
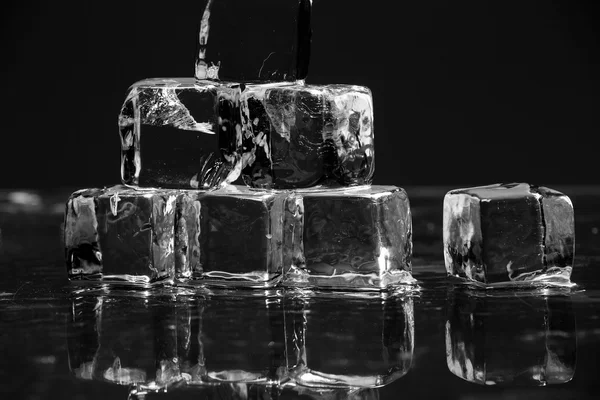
{"x": 329, "y": 348}
{"x": 240, "y": 238}
{"x": 538, "y": 346}
{"x": 121, "y": 235}
{"x": 509, "y": 234}
{"x": 254, "y": 41}
{"x": 180, "y": 133}
{"x": 233, "y": 340}
{"x": 353, "y": 238}
{"x": 298, "y": 136}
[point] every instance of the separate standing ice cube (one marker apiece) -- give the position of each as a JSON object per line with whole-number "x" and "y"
{"x": 241, "y": 236}
{"x": 538, "y": 346}
{"x": 180, "y": 133}
{"x": 349, "y": 342}
{"x": 354, "y": 238}
{"x": 509, "y": 234}
{"x": 298, "y": 136}
{"x": 254, "y": 41}
{"x": 120, "y": 235}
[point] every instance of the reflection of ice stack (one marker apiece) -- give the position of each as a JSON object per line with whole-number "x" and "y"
{"x": 154, "y": 343}
{"x": 303, "y": 155}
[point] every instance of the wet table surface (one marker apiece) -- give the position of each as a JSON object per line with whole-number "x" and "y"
{"x": 437, "y": 342}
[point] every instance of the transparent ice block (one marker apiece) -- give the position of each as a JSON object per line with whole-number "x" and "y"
{"x": 180, "y": 133}
{"x": 254, "y": 41}
{"x": 356, "y": 238}
{"x": 298, "y": 136}
{"x": 120, "y": 235}
{"x": 240, "y": 238}
{"x": 537, "y": 347}
{"x": 349, "y": 342}
{"x": 509, "y": 234}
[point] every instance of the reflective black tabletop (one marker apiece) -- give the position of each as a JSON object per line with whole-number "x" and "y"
{"x": 439, "y": 341}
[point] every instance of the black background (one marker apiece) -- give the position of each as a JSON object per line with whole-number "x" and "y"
{"x": 465, "y": 92}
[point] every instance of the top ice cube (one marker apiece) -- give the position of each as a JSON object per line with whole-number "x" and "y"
{"x": 509, "y": 234}
{"x": 254, "y": 41}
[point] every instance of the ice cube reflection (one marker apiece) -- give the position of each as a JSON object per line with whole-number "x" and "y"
{"x": 277, "y": 344}
{"x": 511, "y": 339}
{"x": 357, "y": 342}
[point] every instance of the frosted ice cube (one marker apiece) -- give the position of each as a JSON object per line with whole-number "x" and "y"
{"x": 233, "y": 340}
{"x": 180, "y": 133}
{"x": 120, "y": 234}
{"x": 538, "y": 346}
{"x": 509, "y": 234}
{"x": 254, "y": 41}
{"x": 241, "y": 237}
{"x": 297, "y": 135}
{"x": 353, "y": 238}
{"x": 328, "y": 348}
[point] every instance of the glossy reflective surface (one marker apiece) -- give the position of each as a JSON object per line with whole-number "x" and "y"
{"x": 438, "y": 342}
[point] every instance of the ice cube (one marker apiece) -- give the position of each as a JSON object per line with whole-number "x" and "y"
{"x": 509, "y": 234}
{"x": 298, "y": 136}
{"x": 353, "y": 238}
{"x": 241, "y": 237}
{"x": 127, "y": 340}
{"x": 180, "y": 133}
{"x": 328, "y": 348}
{"x": 254, "y": 41}
{"x": 120, "y": 234}
{"x": 538, "y": 346}
{"x": 233, "y": 339}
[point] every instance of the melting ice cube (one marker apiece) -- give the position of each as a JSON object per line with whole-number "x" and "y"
{"x": 240, "y": 233}
{"x": 120, "y": 234}
{"x": 353, "y": 238}
{"x": 509, "y": 234}
{"x": 179, "y": 133}
{"x": 298, "y": 136}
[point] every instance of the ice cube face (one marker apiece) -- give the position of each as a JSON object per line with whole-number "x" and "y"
{"x": 298, "y": 136}
{"x": 240, "y": 238}
{"x": 257, "y": 41}
{"x": 179, "y": 133}
{"x": 355, "y": 238}
{"x": 120, "y": 234}
{"x": 538, "y": 347}
{"x": 328, "y": 348}
{"x": 509, "y": 234}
